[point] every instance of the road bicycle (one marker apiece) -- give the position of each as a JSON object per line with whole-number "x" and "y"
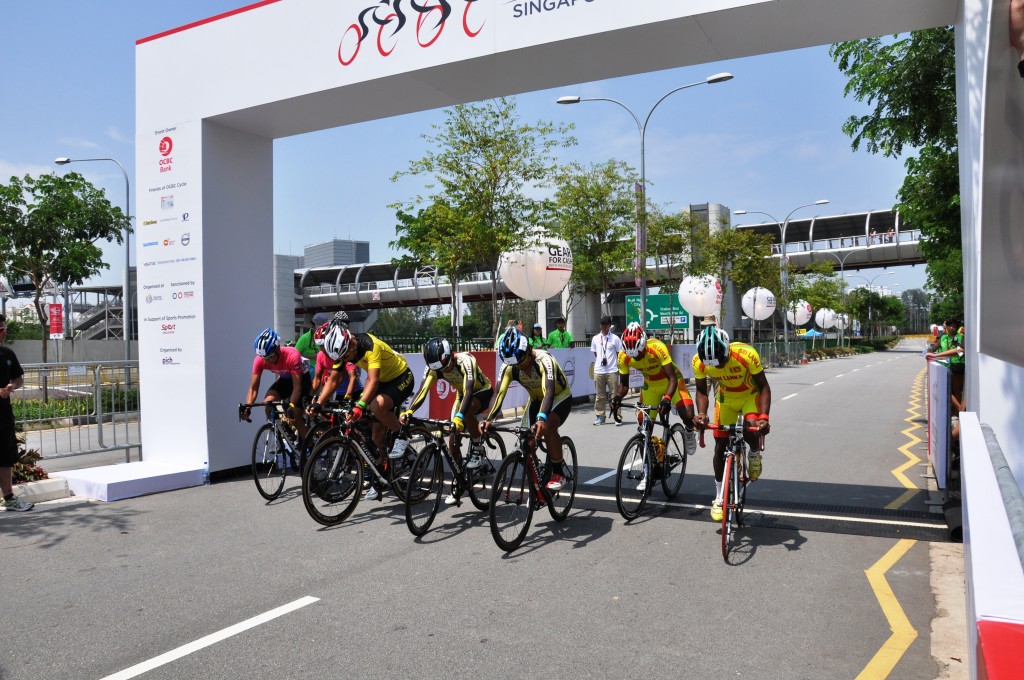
{"x": 276, "y": 448}
{"x": 427, "y": 477}
{"x": 333, "y": 478}
{"x": 520, "y": 488}
{"x": 734, "y": 479}
{"x": 646, "y": 459}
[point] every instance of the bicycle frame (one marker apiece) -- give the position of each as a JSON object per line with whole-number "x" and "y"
{"x": 524, "y": 437}
{"x": 735, "y": 479}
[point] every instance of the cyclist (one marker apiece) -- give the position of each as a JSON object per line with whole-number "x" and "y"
{"x": 306, "y": 345}
{"x": 389, "y": 382}
{"x": 664, "y": 383}
{"x": 350, "y": 382}
{"x": 550, "y": 394}
{"x": 742, "y": 388}
{"x": 473, "y": 393}
{"x": 292, "y": 382}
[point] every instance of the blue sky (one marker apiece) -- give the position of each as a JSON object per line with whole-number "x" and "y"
{"x": 769, "y": 140}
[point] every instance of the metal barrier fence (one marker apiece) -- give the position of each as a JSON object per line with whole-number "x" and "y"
{"x": 72, "y": 409}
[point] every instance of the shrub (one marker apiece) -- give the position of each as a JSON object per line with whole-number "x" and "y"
{"x": 25, "y": 469}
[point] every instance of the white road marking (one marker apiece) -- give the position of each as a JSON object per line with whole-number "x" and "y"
{"x": 790, "y": 396}
{"x": 840, "y": 375}
{"x": 777, "y": 513}
{"x": 211, "y": 639}
{"x": 601, "y": 478}
{"x": 820, "y": 383}
{"x": 854, "y": 370}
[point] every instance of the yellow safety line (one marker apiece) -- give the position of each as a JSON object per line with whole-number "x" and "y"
{"x": 903, "y": 634}
{"x": 913, "y": 412}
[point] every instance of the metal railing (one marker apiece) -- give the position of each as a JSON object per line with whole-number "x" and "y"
{"x": 73, "y": 409}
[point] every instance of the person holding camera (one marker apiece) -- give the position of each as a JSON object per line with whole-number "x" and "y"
{"x": 606, "y": 347}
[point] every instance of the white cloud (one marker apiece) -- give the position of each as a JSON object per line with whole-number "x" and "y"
{"x": 8, "y": 170}
{"x": 78, "y": 143}
{"x": 115, "y": 134}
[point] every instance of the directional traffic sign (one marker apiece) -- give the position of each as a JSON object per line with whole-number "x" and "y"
{"x": 663, "y": 312}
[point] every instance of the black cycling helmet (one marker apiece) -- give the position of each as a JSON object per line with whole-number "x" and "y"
{"x": 437, "y": 353}
{"x": 713, "y": 346}
{"x": 513, "y": 346}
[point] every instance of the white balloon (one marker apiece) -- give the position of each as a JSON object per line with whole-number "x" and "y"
{"x": 842, "y": 321}
{"x": 538, "y": 271}
{"x": 825, "y": 318}
{"x": 701, "y": 295}
{"x": 758, "y": 303}
{"x": 801, "y": 314}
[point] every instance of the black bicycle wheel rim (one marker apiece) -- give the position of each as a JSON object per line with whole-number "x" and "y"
{"x": 332, "y": 481}
{"x": 673, "y": 470}
{"x": 481, "y": 478}
{"x": 727, "y": 506}
{"x": 423, "y": 495}
{"x": 266, "y": 472}
{"x": 398, "y": 469}
{"x": 560, "y": 502}
{"x": 511, "y": 509}
{"x": 628, "y": 474}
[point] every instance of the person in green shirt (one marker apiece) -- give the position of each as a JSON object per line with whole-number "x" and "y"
{"x": 537, "y": 340}
{"x": 560, "y": 338}
{"x": 305, "y": 344}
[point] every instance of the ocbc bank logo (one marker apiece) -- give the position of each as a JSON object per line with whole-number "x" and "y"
{"x": 443, "y": 389}
{"x": 389, "y": 17}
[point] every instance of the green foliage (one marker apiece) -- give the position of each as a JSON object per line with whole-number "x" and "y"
{"x": 401, "y": 321}
{"x": 49, "y": 227}
{"x": 114, "y": 400}
{"x": 671, "y": 238}
{"x": 17, "y": 330}
{"x": 911, "y": 83}
{"x": 595, "y": 212}
{"x": 25, "y": 469}
{"x": 818, "y": 285}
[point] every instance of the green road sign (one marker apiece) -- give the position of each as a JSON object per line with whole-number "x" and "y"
{"x": 663, "y": 311}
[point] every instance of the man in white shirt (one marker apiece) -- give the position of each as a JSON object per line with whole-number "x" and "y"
{"x": 606, "y": 347}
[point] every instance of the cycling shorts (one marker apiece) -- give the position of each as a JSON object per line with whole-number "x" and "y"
{"x": 282, "y": 387}
{"x": 561, "y": 407}
{"x": 652, "y": 394}
{"x": 398, "y": 389}
{"x": 726, "y": 412}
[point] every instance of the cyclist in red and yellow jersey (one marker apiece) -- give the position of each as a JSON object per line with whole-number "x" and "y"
{"x": 664, "y": 384}
{"x": 742, "y": 388}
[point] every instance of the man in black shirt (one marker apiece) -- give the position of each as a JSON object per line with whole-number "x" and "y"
{"x": 10, "y": 379}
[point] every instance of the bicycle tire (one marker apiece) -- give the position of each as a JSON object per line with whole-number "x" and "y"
{"x": 480, "y": 479}
{"x": 332, "y": 481}
{"x": 728, "y": 505}
{"x": 673, "y": 469}
{"x": 512, "y": 500}
{"x": 628, "y": 474}
{"x": 398, "y": 469}
{"x": 266, "y": 472}
{"x": 560, "y": 502}
{"x": 423, "y": 497}
{"x": 316, "y": 432}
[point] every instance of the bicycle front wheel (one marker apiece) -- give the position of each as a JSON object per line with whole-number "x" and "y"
{"x": 481, "y": 478}
{"x": 423, "y": 495}
{"x": 560, "y": 502}
{"x": 631, "y": 473}
{"x": 511, "y": 503}
{"x": 398, "y": 469}
{"x": 267, "y": 471}
{"x": 332, "y": 480}
{"x": 674, "y": 468}
{"x": 728, "y": 505}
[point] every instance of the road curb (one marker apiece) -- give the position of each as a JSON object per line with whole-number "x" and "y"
{"x": 43, "y": 490}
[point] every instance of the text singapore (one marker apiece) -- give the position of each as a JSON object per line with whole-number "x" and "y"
{"x": 523, "y": 9}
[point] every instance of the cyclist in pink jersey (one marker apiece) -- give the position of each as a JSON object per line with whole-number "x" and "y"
{"x": 292, "y": 381}
{"x": 324, "y": 365}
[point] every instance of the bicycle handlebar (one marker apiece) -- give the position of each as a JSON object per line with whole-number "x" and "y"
{"x": 243, "y": 407}
{"x": 729, "y": 428}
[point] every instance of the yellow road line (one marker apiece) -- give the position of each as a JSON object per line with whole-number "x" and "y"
{"x": 903, "y": 634}
{"x": 913, "y": 412}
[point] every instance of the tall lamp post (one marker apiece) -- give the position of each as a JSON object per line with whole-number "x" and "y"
{"x": 782, "y": 259}
{"x": 126, "y": 313}
{"x": 641, "y": 227}
{"x": 871, "y": 284}
{"x": 842, "y": 277}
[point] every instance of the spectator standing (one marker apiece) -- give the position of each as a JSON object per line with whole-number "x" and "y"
{"x": 559, "y": 338}
{"x": 537, "y": 340}
{"x": 606, "y": 347}
{"x": 11, "y": 378}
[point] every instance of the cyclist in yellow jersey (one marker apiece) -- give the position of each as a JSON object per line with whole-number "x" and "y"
{"x": 389, "y": 382}
{"x": 742, "y": 388}
{"x": 473, "y": 393}
{"x": 550, "y": 394}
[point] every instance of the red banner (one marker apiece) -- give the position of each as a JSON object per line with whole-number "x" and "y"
{"x": 442, "y": 397}
{"x": 56, "y": 321}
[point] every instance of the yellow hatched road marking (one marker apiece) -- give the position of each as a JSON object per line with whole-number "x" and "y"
{"x": 913, "y": 412}
{"x": 903, "y": 634}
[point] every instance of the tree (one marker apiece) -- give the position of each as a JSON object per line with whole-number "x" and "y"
{"x": 483, "y": 164}
{"x": 915, "y": 302}
{"x": 404, "y": 321}
{"x": 911, "y": 82}
{"x": 737, "y": 255}
{"x": 670, "y": 239}
{"x": 49, "y": 227}
{"x": 594, "y": 211}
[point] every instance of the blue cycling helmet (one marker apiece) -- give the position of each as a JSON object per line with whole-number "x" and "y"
{"x": 713, "y": 346}
{"x": 513, "y": 346}
{"x": 267, "y": 343}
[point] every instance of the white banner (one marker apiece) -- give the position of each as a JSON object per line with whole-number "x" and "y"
{"x": 938, "y": 419}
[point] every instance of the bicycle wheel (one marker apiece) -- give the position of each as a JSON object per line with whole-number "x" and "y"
{"x": 398, "y": 469}
{"x": 561, "y": 501}
{"x": 332, "y": 480}
{"x": 742, "y": 480}
{"x": 423, "y": 497}
{"x": 481, "y": 478}
{"x": 728, "y": 505}
{"x": 628, "y": 497}
{"x": 511, "y": 503}
{"x": 674, "y": 468}
{"x": 316, "y": 431}
{"x": 266, "y": 471}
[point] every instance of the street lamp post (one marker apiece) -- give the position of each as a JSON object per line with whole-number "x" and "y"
{"x": 871, "y": 284}
{"x": 126, "y": 313}
{"x": 782, "y": 259}
{"x": 842, "y": 263}
{"x": 641, "y": 227}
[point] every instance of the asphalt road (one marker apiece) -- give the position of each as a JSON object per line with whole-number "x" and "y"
{"x": 99, "y": 588}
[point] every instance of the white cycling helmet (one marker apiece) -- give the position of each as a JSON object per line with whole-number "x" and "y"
{"x": 337, "y": 342}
